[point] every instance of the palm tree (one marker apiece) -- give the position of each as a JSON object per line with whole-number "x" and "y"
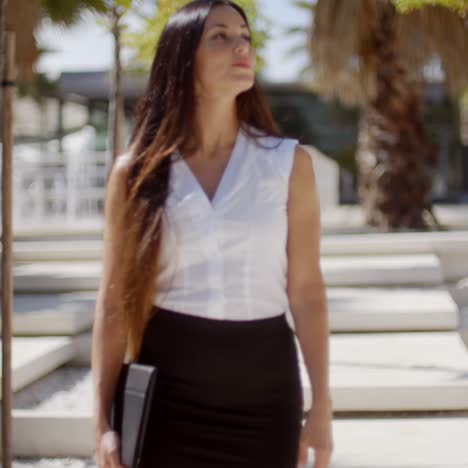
{"x": 373, "y": 53}
{"x": 24, "y": 18}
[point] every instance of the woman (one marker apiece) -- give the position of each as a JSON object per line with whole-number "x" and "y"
{"x": 211, "y": 233}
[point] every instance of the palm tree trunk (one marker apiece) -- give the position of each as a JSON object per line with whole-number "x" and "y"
{"x": 393, "y": 149}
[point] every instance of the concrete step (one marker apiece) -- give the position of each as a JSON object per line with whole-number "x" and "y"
{"x": 350, "y": 309}
{"x": 396, "y": 243}
{"x": 450, "y": 247}
{"x": 399, "y": 442}
{"x": 408, "y": 270}
{"x": 56, "y": 277}
{"x": 53, "y": 250}
{"x": 62, "y": 402}
{"x": 366, "y": 310}
{"x": 60, "y": 229}
{"x": 428, "y": 441}
{"x": 463, "y": 329}
{"x": 412, "y": 371}
{"x": 339, "y": 219}
{"x": 82, "y": 343}
{"x": 409, "y": 371}
{"x": 382, "y": 270}
{"x": 351, "y": 218}
{"x": 459, "y": 291}
{"x": 391, "y": 309}
{"x": 33, "y": 358}
{"x": 53, "y": 314}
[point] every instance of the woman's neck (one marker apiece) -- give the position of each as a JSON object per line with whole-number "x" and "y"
{"x": 216, "y": 128}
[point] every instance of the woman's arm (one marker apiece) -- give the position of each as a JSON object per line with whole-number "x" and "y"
{"x": 306, "y": 288}
{"x": 109, "y": 337}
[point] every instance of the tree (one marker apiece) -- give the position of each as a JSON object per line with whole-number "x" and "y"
{"x": 24, "y": 18}
{"x": 374, "y": 53}
{"x": 116, "y": 10}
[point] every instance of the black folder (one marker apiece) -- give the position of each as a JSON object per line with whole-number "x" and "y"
{"x": 131, "y": 408}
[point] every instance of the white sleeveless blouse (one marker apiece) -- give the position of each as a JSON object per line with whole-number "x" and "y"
{"x": 226, "y": 259}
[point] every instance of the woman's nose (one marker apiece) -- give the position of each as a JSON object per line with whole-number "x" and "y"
{"x": 242, "y": 45}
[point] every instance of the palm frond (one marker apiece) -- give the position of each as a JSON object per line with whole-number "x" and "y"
{"x": 305, "y": 71}
{"x": 304, "y": 4}
{"x": 24, "y": 16}
{"x": 435, "y": 32}
{"x": 340, "y": 38}
{"x": 405, "y": 6}
{"x": 71, "y": 11}
{"x": 294, "y": 51}
{"x": 296, "y": 30}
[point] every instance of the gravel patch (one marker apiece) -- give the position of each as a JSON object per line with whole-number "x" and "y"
{"x": 68, "y": 388}
{"x": 53, "y": 463}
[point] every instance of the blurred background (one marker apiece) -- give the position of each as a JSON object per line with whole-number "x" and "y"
{"x": 321, "y": 69}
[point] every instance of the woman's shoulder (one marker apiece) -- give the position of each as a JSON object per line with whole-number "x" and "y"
{"x": 274, "y": 154}
{"x": 120, "y": 167}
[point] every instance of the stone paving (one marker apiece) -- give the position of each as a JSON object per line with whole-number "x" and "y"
{"x": 379, "y": 439}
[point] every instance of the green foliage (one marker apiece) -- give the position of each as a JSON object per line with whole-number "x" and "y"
{"x": 143, "y": 42}
{"x": 122, "y": 6}
{"x": 125, "y": 4}
{"x": 301, "y": 32}
{"x": 303, "y": 4}
{"x": 404, "y": 6}
{"x": 69, "y": 12}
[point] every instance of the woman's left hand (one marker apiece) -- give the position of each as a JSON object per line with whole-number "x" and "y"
{"x": 317, "y": 433}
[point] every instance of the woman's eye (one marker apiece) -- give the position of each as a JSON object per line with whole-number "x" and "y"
{"x": 248, "y": 38}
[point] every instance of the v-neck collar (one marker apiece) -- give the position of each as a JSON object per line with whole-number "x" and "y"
{"x": 187, "y": 182}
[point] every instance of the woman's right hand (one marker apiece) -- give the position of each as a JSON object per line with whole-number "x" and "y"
{"x": 107, "y": 450}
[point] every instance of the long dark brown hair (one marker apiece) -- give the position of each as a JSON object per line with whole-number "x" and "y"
{"x": 164, "y": 122}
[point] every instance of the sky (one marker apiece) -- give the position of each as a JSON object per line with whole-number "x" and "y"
{"x": 88, "y": 46}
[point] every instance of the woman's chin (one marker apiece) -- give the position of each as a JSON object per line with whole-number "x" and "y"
{"x": 243, "y": 82}
{"x": 234, "y": 85}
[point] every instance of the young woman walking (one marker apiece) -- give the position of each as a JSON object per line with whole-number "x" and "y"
{"x": 211, "y": 235}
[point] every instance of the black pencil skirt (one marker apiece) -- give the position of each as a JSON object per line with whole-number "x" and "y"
{"x": 228, "y": 393}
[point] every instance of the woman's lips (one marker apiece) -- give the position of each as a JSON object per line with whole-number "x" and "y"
{"x": 242, "y": 64}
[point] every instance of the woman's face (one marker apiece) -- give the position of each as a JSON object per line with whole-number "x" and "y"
{"x": 225, "y": 60}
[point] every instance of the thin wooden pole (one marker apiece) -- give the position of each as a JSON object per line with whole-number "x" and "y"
{"x": 115, "y": 97}
{"x": 7, "y": 242}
